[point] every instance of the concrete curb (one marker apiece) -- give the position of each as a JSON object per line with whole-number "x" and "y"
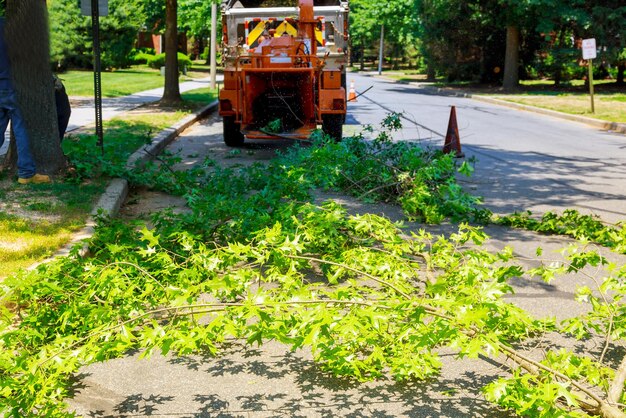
{"x": 166, "y": 136}
{"x": 116, "y": 192}
{"x": 601, "y": 124}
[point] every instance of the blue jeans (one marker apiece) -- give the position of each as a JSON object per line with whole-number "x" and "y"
{"x": 10, "y": 111}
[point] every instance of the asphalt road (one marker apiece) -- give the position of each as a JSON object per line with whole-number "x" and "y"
{"x": 525, "y": 161}
{"x": 268, "y": 381}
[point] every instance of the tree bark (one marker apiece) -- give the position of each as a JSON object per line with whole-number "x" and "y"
{"x": 431, "y": 74}
{"x": 511, "y": 58}
{"x": 621, "y": 68}
{"x": 27, "y": 35}
{"x": 362, "y": 60}
{"x": 171, "y": 91}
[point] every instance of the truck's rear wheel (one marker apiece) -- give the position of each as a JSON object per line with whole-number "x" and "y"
{"x": 232, "y": 134}
{"x": 332, "y": 125}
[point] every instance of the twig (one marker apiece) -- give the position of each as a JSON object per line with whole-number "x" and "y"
{"x": 616, "y": 388}
{"x": 607, "y": 339}
{"x": 161, "y": 160}
{"x": 378, "y": 188}
{"x": 354, "y": 183}
{"x": 376, "y": 279}
{"x": 208, "y": 308}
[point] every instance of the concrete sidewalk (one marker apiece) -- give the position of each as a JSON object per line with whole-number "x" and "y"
{"x": 112, "y": 107}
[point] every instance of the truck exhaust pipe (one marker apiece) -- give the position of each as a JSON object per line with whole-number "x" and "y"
{"x": 306, "y": 24}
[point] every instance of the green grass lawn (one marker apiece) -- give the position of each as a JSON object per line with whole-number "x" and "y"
{"x": 572, "y": 98}
{"x": 608, "y": 107}
{"x": 119, "y": 82}
{"x": 36, "y": 220}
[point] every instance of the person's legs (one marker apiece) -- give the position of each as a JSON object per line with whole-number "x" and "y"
{"x": 25, "y": 161}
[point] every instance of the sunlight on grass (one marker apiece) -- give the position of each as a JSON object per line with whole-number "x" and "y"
{"x": 36, "y": 220}
{"x": 125, "y": 134}
{"x": 201, "y": 96}
{"x": 40, "y": 219}
{"x": 25, "y": 242}
{"x": 117, "y": 83}
{"x": 607, "y": 107}
{"x": 572, "y": 98}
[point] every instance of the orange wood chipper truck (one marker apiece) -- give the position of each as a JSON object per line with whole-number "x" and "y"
{"x": 284, "y": 68}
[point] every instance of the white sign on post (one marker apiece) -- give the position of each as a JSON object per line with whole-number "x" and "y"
{"x": 103, "y": 7}
{"x": 589, "y": 48}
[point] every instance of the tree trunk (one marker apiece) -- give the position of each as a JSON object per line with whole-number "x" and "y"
{"x": 171, "y": 91}
{"x": 558, "y": 60}
{"x": 621, "y": 67}
{"x": 362, "y": 60}
{"x": 396, "y": 57}
{"x": 431, "y": 74}
{"x": 511, "y": 58}
{"x": 27, "y": 36}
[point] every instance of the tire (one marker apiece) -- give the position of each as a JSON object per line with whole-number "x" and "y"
{"x": 232, "y": 135}
{"x": 332, "y": 125}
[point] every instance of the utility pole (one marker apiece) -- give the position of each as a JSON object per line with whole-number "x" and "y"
{"x": 213, "y": 44}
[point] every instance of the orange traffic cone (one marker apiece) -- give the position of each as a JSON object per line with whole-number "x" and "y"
{"x": 352, "y": 93}
{"x": 453, "y": 140}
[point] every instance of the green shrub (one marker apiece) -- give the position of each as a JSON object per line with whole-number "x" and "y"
{"x": 560, "y": 64}
{"x": 142, "y": 58}
{"x": 205, "y": 54}
{"x": 158, "y": 61}
{"x": 71, "y": 39}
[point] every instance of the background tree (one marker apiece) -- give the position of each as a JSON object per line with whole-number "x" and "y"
{"x": 560, "y": 23}
{"x": 71, "y": 39}
{"x": 27, "y": 36}
{"x": 161, "y": 14}
{"x": 119, "y": 32}
{"x": 515, "y": 15}
{"x": 458, "y": 39}
{"x": 70, "y": 36}
{"x": 195, "y": 20}
{"x": 464, "y": 40}
{"x": 608, "y": 26}
{"x": 154, "y": 11}
{"x": 401, "y": 28}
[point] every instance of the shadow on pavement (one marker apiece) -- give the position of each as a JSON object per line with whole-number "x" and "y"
{"x": 275, "y": 382}
{"x": 517, "y": 181}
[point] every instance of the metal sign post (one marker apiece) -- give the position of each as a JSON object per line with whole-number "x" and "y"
{"x": 103, "y": 7}
{"x": 380, "y": 51}
{"x": 95, "y": 7}
{"x": 589, "y": 53}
